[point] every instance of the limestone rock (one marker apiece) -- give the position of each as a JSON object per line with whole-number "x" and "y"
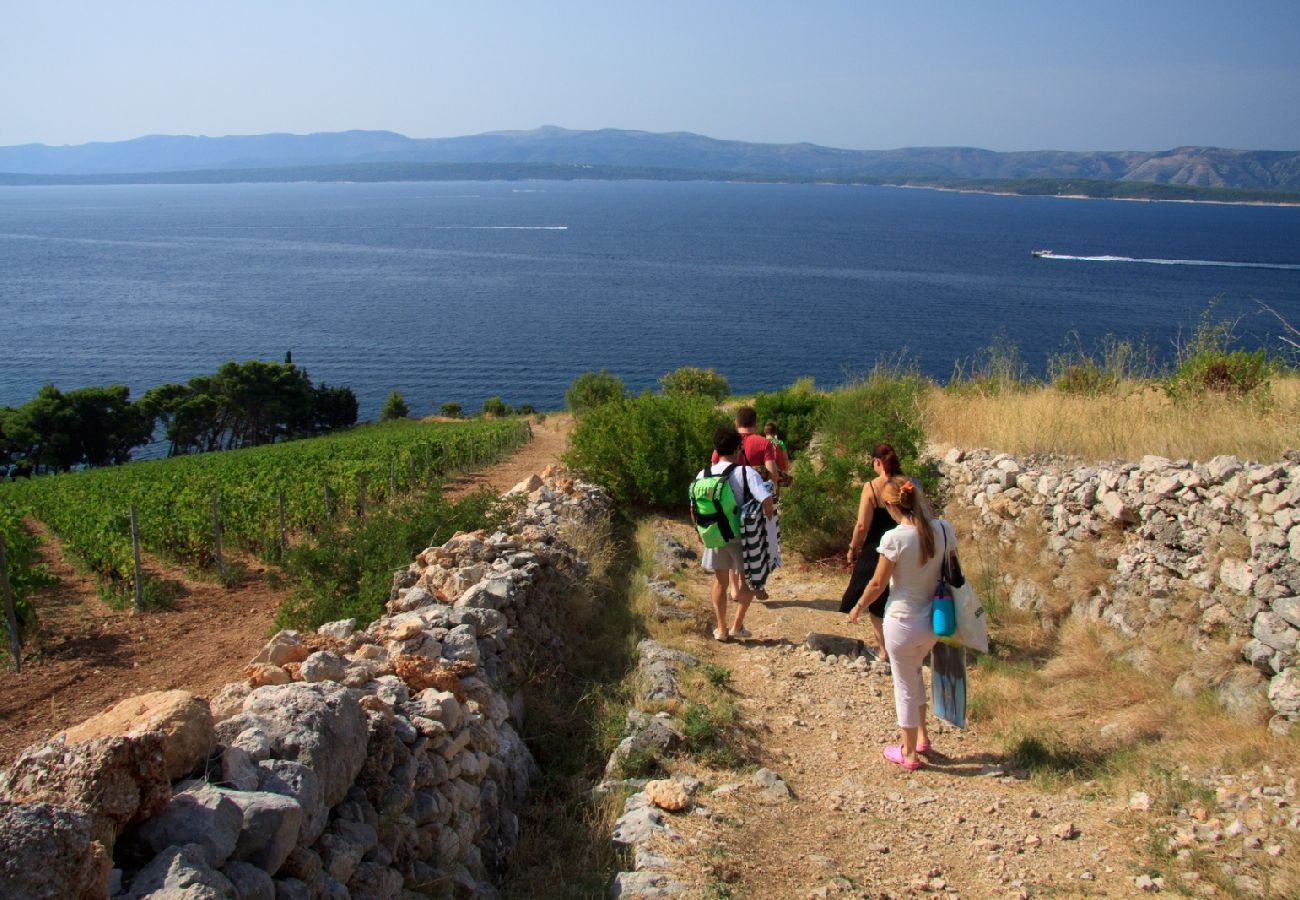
{"x": 668, "y": 794}
{"x": 184, "y": 720}
{"x": 181, "y": 873}
{"x": 637, "y": 885}
{"x": 249, "y": 882}
{"x": 292, "y": 779}
{"x": 319, "y": 725}
{"x": 1289, "y": 609}
{"x": 270, "y": 828}
{"x": 203, "y": 817}
{"x": 262, "y": 674}
{"x": 772, "y": 786}
{"x": 114, "y": 780}
{"x": 1284, "y": 693}
{"x": 341, "y": 630}
{"x": 286, "y": 647}
{"x": 34, "y": 834}
{"x": 323, "y": 665}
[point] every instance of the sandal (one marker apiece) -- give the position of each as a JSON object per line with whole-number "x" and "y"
{"x": 894, "y": 754}
{"x": 720, "y": 635}
{"x": 741, "y": 633}
{"x": 923, "y": 747}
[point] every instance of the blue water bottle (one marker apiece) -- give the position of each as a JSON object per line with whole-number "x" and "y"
{"x": 944, "y": 611}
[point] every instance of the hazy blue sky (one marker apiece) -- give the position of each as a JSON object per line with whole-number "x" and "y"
{"x": 1139, "y": 74}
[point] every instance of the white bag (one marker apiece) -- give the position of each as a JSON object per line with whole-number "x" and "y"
{"x": 972, "y": 626}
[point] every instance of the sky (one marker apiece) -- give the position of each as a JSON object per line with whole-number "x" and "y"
{"x": 1100, "y": 75}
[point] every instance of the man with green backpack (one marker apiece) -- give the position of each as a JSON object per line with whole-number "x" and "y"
{"x": 717, "y": 495}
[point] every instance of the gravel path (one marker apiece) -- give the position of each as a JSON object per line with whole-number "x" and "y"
{"x": 858, "y": 825}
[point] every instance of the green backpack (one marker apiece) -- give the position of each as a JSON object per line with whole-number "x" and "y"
{"x": 714, "y": 507}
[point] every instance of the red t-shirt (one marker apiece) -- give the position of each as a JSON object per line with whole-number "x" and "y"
{"x": 757, "y": 450}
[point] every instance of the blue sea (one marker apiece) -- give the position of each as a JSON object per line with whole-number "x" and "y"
{"x": 458, "y": 291}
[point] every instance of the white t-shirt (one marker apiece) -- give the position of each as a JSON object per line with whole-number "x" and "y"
{"x": 911, "y": 587}
{"x": 757, "y": 486}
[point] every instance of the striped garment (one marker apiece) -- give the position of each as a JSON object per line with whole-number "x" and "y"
{"x": 754, "y": 548}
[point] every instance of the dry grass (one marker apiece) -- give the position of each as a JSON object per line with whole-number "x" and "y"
{"x": 1137, "y": 419}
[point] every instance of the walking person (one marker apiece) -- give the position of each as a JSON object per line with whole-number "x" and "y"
{"x": 757, "y": 451}
{"x": 911, "y": 558}
{"x": 873, "y": 521}
{"x": 727, "y": 562}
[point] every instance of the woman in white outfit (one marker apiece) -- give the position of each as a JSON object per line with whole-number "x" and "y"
{"x": 910, "y": 562}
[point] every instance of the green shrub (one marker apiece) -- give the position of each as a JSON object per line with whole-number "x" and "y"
{"x": 818, "y": 510}
{"x": 348, "y": 570}
{"x": 1205, "y": 365}
{"x": 1084, "y": 378}
{"x": 794, "y": 409}
{"x": 496, "y": 407}
{"x": 693, "y": 381}
{"x": 1238, "y": 373}
{"x": 646, "y": 449}
{"x": 450, "y": 410}
{"x": 394, "y": 407}
{"x": 592, "y": 389}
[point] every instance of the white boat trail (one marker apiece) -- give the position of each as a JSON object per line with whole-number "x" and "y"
{"x": 1291, "y": 267}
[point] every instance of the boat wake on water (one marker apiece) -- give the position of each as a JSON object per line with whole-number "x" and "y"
{"x": 1048, "y": 254}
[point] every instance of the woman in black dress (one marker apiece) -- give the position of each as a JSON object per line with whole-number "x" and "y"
{"x": 873, "y": 521}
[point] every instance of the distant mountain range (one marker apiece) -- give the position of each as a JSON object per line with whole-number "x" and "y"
{"x": 619, "y": 150}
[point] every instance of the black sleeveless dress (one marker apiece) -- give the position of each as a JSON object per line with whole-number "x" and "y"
{"x": 865, "y": 567}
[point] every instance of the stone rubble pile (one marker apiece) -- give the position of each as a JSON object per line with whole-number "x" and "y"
{"x": 1213, "y": 545}
{"x": 382, "y": 762}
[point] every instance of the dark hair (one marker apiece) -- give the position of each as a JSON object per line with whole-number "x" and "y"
{"x": 888, "y": 458}
{"x": 770, "y": 428}
{"x": 726, "y": 440}
{"x": 746, "y": 417}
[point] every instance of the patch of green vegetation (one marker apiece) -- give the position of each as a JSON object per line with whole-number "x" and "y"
{"x": 348, "y": 570}
{"x": 718, "y": 676}
{"x": 818, "y": 509}
{"x": 646, "y": 449}
{"x": 794, "y": 409}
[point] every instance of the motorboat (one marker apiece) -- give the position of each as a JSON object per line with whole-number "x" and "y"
{"x": 1040, "y": 252}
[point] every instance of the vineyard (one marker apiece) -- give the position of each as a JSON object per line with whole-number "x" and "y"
{"x": 253, "y": 499}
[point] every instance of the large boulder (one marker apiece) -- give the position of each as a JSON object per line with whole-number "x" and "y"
{"x": 202, "y": 816}
{"x": 33, "y": 836}
{"x": 319, "y": 725}
{"x": 270, "y": 828}
{"x": 292, "y": 779}
{"x": 181, "y": 873}
{"x": 184, "y": 720}
{"x": 115, "y": 780}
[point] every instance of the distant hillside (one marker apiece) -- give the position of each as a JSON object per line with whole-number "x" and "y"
{"x": 640, "y": 150}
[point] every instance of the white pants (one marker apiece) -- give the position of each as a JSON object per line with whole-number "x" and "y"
{"x": 908, "y": 642}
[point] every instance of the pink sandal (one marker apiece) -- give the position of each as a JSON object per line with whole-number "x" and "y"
{"x": 894, "y": 754}
{"x": 923, "y": 747}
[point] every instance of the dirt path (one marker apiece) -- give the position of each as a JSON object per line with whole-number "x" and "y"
{"x": 89, "y": 656}
{"x": 858, "y": 825}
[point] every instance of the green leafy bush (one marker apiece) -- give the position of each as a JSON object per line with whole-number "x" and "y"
{"x": 348, "y": 570}
{"x": 694, "y": 381}
{"x": 1239, "y": 373}
{"x": 794, "y": 409}
{"x": 592, "y": 389}
{"x": 818, "y": 510}
{"x": 394, "y": 407}
{"x": 646, "y": 449}
{"x": 450, "y": 410}
{"x": 1205, "y": 365}
{"x": 496, "y": 407}
{"x": 1084, "y": 373}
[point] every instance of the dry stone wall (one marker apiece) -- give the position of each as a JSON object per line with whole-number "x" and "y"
{"x": 1212, "y": 547}
{"x": 381, "y": 762}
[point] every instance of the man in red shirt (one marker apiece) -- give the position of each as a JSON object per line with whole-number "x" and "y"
{"x": 755, "y": 449}
{"x": 759, "y": 453}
